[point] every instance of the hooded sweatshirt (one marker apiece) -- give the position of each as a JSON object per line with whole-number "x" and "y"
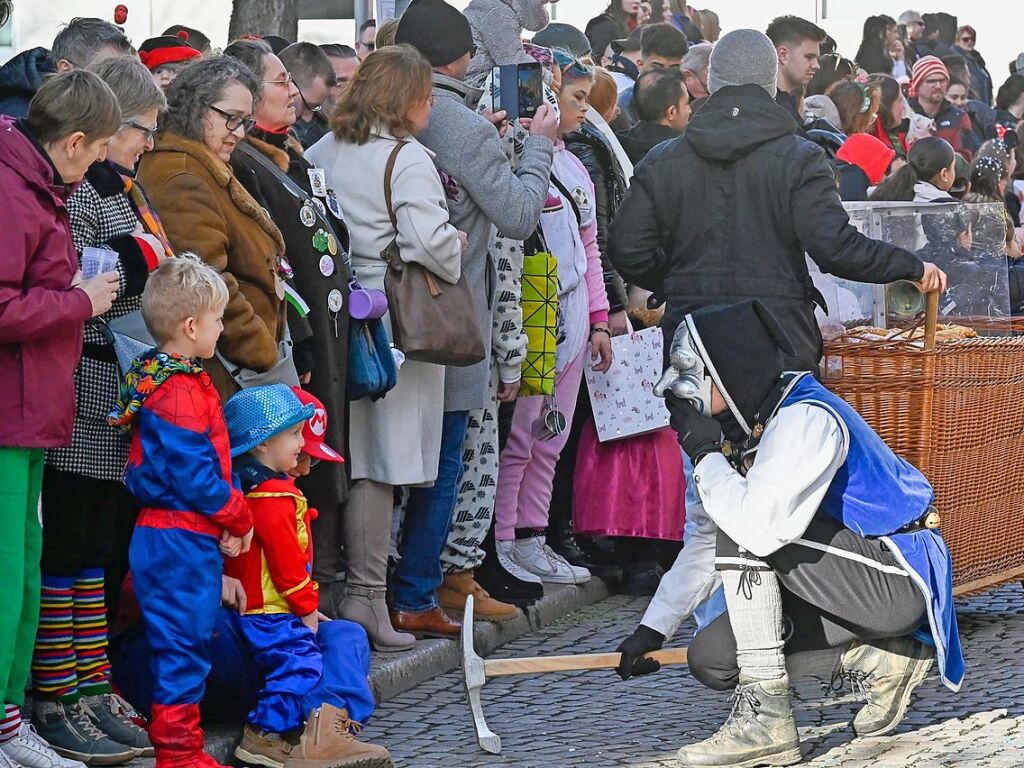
{"x": 497, "y": 32}
{"x": 728, "y": 211}
{"x": 864, "y": 159}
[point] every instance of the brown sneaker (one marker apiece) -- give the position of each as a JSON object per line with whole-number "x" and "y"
{"x": 259, "y": 748}
{"x": 328, "y": 742}
{"x": 459, "y": 585}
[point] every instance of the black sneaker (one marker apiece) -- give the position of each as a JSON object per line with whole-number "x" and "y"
{"x": 641, "y": 579}
{"x": 583, "y": 553}
{"x": 505, "y": 587}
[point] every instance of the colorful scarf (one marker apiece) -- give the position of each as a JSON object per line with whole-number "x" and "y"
{"x": 147, "y": 373}
{"x": 150, "y": 221}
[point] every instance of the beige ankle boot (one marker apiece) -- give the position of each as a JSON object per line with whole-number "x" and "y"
{"x": 328, "y": 742}
{"x": 367, "y": 608}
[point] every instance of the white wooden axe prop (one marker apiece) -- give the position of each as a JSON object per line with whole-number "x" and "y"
{"x": 476, "y": 672}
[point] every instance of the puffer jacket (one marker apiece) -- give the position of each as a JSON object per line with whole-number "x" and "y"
{"x": 21, "y": 77}
{"x": 41, "y": 314}
{"x": 727, "y": 212}
{"x": 592, "y": 149}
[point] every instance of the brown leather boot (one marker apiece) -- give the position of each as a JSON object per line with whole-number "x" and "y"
{"x": 327, "y": 742}
{"x": 459, "y": 585}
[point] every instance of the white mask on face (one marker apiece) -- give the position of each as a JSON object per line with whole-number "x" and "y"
{"x": 687, "y": 376}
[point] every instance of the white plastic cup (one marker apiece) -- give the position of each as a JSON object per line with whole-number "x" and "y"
{"x": 96, "y": 261}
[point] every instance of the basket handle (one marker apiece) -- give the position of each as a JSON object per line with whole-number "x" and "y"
{"x": 931, "y": 320}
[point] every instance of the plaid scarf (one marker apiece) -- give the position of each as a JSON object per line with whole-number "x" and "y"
{"x": 147, "y": 373}
{"x": 149, "y": 219}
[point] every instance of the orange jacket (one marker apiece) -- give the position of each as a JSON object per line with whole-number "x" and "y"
{"x": 276, "y": 572}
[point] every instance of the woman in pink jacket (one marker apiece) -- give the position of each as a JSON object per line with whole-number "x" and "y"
{"x": 44, "y": 304}
{"x": 540, "y": 425}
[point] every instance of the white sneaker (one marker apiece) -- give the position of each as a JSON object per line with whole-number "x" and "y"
{"x": 538, "y": 558}
{"x": 29, "y": 750}
{"x": 505, "y": 550}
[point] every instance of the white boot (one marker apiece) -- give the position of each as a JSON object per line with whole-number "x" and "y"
{"x": 506, "y": 560}
{"x": 538, "y": 558}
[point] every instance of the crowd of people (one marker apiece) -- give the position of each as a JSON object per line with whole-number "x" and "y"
{"x": 241, "y": 457}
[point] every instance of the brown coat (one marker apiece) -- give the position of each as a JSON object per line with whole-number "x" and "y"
{"x": 205, "y": 210}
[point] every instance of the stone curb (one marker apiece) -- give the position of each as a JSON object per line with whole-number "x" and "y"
{"x": 394, "y": 673}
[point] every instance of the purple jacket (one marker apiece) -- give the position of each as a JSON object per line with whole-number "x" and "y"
{"x": 41, "y": 315}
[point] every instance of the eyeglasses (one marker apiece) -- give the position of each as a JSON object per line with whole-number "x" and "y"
{"x": 936, "y": 81}
{"x": 286, "y": 81}
{"x": 150, "y": 132}
{"x": 234, "y": 122}
{"x": 315, "y": 109}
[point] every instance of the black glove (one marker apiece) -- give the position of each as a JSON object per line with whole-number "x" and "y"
{"x": 643, "y": 640}
{"x": 699, "y": 435}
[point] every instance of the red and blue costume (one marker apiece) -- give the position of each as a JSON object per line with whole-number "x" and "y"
{"x": 179, "y": 470}
{"x": 276, "y": 574}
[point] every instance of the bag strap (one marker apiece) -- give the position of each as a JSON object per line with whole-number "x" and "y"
{"x": 569, "y": 197}
{"x": 290, "y": 184}
{"x": 389, "y": 169}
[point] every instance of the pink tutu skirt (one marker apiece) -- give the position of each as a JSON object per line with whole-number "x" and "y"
{"x": 633, "y": 487}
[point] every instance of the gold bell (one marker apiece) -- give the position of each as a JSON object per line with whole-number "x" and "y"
{"x": 932, "y": 520}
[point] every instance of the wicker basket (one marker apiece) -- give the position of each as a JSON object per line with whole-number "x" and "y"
{"x": 955, "y": 410}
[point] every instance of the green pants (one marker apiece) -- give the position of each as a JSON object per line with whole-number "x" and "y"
{"x": 21, "y": 544}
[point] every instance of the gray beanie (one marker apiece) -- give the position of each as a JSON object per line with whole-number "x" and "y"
{"x": 744, "y": 57}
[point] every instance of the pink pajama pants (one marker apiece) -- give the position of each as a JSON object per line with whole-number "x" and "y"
{"x": 526, "y": 468}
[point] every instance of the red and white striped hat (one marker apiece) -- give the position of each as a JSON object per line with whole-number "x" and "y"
{"x": 925, "y": 67}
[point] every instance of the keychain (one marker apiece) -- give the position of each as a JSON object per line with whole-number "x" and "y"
{"x": 554, "y": 420}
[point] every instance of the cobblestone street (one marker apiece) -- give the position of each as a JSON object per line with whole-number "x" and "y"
{"x": 594, "y": 719}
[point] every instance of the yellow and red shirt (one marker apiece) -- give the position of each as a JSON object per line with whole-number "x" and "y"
{"x": 276, "y": 572}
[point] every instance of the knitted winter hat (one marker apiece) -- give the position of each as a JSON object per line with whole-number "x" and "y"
{"x": 744, "y": 57}
{"x": 166, "y": 49}
{"x": 924, "y": 68}
{"x": 436, "y": 30}
{"x": 867, "y": 153}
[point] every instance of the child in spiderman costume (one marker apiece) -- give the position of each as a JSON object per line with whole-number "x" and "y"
{"x": 300, "y": 715}
{"x": 179, "y": 469}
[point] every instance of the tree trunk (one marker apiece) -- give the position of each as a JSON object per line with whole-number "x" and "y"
{"x": 264, "y": 17}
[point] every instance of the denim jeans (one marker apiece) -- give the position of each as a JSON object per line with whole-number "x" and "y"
{"x": 428, "y": 516}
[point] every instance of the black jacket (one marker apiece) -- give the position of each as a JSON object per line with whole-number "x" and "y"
{"x": 21, "y": 77}
{"x": 592, "y": 149}
{"x": 726, "y": 212}
{"x": 601, "y": 30}
{"x": 643, "y": 137}
{"x": 314, "y": 278}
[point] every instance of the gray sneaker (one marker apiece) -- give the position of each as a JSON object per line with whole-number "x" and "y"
{"x": 71, "y": 732}
{"x": 760, "y": 730}
{"x": 887, "y": 672}
{"x": 113, "y": 715}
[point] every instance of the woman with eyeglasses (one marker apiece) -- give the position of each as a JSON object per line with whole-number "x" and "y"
{"x": 88, "y": 515}
{"x": 207, "y": 210}
{"x": 271, "y": 166}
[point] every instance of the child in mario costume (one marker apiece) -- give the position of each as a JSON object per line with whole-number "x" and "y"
{"x": 293, "y": 719}
{"x": 179, "y": 470}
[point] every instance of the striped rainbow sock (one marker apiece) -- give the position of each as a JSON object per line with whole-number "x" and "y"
{"x": 90, "y": 633}
{"x": 53, "y": 662}
{"x": 10, "y": 722}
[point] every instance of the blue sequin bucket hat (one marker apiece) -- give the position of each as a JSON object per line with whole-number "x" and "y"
{"x": 255, "y": 415}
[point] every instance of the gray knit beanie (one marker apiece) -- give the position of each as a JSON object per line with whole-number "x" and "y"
{"x": 744, "y": 57}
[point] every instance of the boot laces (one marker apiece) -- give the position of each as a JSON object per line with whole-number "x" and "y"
{"x": 80, "y": 716}
{"x": 343, "y": 725}
{"x": 745, "y": 705}
{"x": 857, "y": 680}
